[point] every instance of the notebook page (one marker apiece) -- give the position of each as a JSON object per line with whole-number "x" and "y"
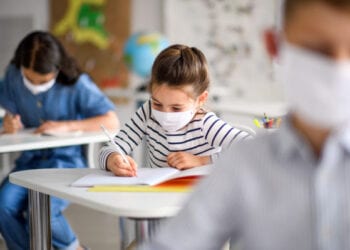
{"x": 145, "y": 176}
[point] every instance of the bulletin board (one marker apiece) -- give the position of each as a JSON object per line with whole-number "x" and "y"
{"x": 93, "y": 32}
{"x": 230, "y": 33}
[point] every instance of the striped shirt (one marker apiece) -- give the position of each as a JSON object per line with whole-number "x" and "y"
{"x": 203, "y": 136}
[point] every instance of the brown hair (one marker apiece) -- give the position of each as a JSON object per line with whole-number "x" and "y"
{"x": 180, "y": 65}
{"x": 291, "y": 5}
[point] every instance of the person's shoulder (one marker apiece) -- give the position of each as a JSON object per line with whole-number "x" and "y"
{"x": 202, "y": 114}
{"x": 206, "y": 115}
{"x": 85, "y": 84}
{"x": 84, "y": 80}
{"x": 146, "y": 110}
{"x": 206, "y": 118}
{"x": 12, "y": 71}
{"x": 13, "y": 76}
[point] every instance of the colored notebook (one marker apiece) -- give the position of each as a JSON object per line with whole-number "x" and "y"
{"x": 182, "y": 184}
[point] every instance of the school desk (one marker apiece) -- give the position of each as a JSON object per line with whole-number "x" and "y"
{"x": 26, "y": 140}
{"x": 147, "y": 209}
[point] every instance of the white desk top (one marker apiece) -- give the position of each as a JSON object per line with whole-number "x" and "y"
{"x": 25, "y": 140}
{"x": 127, "y": 204}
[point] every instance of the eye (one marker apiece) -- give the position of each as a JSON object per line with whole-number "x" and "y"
{"x": 156, "y": 105}
{"x": 176, "y": 109}
{"x": 327, "y": 52}
{"x": 321, "y": 49}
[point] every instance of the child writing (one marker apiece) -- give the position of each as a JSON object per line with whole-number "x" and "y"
{"x": 178, "y": 131}
{"x": 44, "y": 89}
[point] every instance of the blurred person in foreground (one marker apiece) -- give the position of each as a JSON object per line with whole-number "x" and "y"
{"x": 289, "y": 189}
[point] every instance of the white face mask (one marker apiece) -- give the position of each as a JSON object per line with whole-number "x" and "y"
{"x": 37, "y": 89}
{"x": 317, "y": 89}
{"x": 173, "y": 121}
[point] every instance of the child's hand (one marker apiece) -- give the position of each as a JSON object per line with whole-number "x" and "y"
{"x": 116, "y": 164}
{"x": 53, "y": 126}
{"x": 183, "y": 160}
{"x": 12, "y": 123}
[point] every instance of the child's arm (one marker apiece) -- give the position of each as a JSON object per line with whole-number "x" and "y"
{"x": 220, "y": 134}
{"x": 109, "y": 119}
{"x": 129, "y": 136}
{"x": 184, "y": 160}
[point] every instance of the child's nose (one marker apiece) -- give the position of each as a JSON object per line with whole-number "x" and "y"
{"x": 167, "y": 109}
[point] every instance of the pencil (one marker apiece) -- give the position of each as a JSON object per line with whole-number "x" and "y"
{"x": 115, "y": 144}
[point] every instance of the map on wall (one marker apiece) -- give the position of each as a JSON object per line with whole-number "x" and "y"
{"x": 229, "y": 32}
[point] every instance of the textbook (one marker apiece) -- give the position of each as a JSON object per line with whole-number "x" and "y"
{"x": 145, "y": 176}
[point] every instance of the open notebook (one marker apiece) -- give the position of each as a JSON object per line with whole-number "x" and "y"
{"x": 145, "y": 176}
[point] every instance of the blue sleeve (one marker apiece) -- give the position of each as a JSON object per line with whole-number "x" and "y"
{"x": 91, "y": 101}
{"x": 7, "y": 89}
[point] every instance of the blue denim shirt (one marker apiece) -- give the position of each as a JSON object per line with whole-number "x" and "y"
{"x": 79, "y": 101}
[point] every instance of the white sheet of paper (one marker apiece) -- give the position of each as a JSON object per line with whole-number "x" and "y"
{"x": 145, "y": 176}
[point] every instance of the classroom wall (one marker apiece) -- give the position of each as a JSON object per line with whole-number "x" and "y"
{"x": 158, "y": 15}
{"x": 17, "y": 18}
{"x": 230, "y": 33}
{"x": 147, "y": 15}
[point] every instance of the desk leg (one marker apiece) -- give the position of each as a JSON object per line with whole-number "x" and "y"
{"x": 144, "y": 230}
{"x": 91, "y": 147}
{"x": 39, "y": 221}
{"x": 5, "y": 165}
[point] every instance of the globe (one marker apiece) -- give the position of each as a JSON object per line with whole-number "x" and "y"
{"x": 140, "y": 51}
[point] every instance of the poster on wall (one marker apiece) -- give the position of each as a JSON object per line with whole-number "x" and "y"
{"x": 229, "y": 32}
{"x": 94, "y": 32}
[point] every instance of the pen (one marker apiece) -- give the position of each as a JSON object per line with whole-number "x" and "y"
{"x": 114, "y": 144}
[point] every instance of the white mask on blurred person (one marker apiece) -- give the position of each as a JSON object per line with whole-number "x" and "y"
{"x": 173, "y": 121}
{"x": 317, "y": 88}
{"x": 38, "y": 88}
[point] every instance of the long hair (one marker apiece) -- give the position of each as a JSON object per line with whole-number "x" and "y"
{"x": 43, "y": 53}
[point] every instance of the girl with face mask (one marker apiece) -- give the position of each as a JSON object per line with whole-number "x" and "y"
{"x": 44, "y": 89}
{"x": 177, "y": 130}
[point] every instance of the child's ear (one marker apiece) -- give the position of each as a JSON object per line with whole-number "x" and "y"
{"x": 202, "y": 98}
{"x": 271, "y": 42}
